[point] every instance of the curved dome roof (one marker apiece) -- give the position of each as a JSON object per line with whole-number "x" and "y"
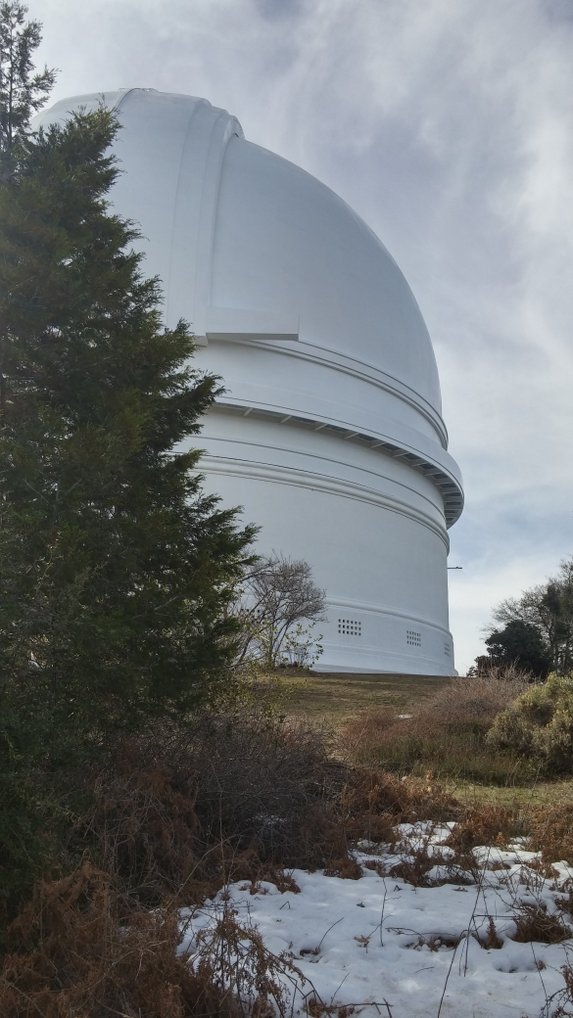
{"x": 246, "y": 242}
{"x": 249, "y": 247}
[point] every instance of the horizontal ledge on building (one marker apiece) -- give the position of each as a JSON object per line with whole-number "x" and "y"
{"x": 445, "y": 483}
{"x": 241, "y": 323}
{"x": 270, "y": 472}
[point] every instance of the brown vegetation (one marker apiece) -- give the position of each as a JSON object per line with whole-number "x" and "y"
{"x": 551, "y": 832}
{"x": 445, "y": 734}
{"x": 239, "y": 794}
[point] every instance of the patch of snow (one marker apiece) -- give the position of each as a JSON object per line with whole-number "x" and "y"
{"x": 386, "y": 947}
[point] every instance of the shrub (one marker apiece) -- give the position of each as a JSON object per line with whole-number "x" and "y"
{"x": 534, "y": 923}
{"x": 484, "y": 824}
{"x": 540, "y": 725}
{"x": 167, "y": 820}
{"x": 228, "y": 795}
{"x": 373, "y": 802}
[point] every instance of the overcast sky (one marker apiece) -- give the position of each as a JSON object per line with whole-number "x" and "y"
{"x": 448, "y": 126}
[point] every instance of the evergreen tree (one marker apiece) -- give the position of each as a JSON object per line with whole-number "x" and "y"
{"x": 22, "y": 92}
{"x": 520, "y": 644}
{"x": 117, "y": 568}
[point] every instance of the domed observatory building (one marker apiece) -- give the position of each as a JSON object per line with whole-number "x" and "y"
{"x": 329, "y": 433}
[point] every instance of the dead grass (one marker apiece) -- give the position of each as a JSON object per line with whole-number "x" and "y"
{"x": 445, "y": 733}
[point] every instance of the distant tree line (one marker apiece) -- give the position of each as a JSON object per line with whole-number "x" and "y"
{"x": 535, "y": 631}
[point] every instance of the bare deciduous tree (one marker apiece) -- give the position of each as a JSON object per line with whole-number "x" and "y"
{"x": 279, "y": 594}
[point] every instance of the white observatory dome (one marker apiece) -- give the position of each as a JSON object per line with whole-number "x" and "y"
{"x": 329, "y": 432}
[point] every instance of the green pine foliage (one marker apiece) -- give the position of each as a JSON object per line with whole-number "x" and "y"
{"x": 119, "y": 568}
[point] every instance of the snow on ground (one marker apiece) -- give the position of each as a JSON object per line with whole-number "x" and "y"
{"x": 393, "y": 949}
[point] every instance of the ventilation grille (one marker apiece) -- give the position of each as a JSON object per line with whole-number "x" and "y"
{"x": 349, "y": 627}
{"x": 447, "y": 649}
{"x": 413, "y": 638}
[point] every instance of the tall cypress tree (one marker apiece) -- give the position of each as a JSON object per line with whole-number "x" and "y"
{"x": 117, "y": 569}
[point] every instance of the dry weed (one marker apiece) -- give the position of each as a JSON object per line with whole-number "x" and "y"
{"x": 73, "y": 954}
{"x": 551, "y": 832}
{"x": 534, "y": 923}
{"x": 491, "y": 940}
{"x": 228, "y": 797}
{"x": 373, "y": 802}
{"x": 566, "y": 904}
{"x": 446, "y": 732}
{"x": 233, "y": 957}
{"x": 485, "y": 824}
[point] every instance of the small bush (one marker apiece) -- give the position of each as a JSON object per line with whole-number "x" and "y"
{"x": 534, "y": 923}
{"x": 539, "y": 725}
{"x": 373, "y": 802}
{"x": 484, "y": 824}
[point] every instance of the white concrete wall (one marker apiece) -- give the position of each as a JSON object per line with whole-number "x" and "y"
{"x": 372, "y": 529}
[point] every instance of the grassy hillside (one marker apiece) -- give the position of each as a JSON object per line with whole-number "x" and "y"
{"x": 333, "y": 698}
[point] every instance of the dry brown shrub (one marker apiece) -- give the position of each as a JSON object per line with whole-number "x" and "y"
{"x": 234, "y": 958}
{"x": 377, "y": 866}
{"x": 446, "y": 732}
{"x": 346, "y": 867}
{"x": 484, "y": 824}
{"x": 534, "y": 923}
{"x": 316, "y": 1008}
{"x": 230, "y": 796}
{"x": 73, "y": 954}
{"x": 473, "y": 701}
{"x": 266, "y": 783}
{"x": 144, "y": 830}
{"x": 491, "y": 940}
{"x": 566, "y": 904}
{"x": 414, "y": 869}
{"x": 562, "y": 1001}
{"x": 551, "y": 832}
{"x": 373, "y": 802}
